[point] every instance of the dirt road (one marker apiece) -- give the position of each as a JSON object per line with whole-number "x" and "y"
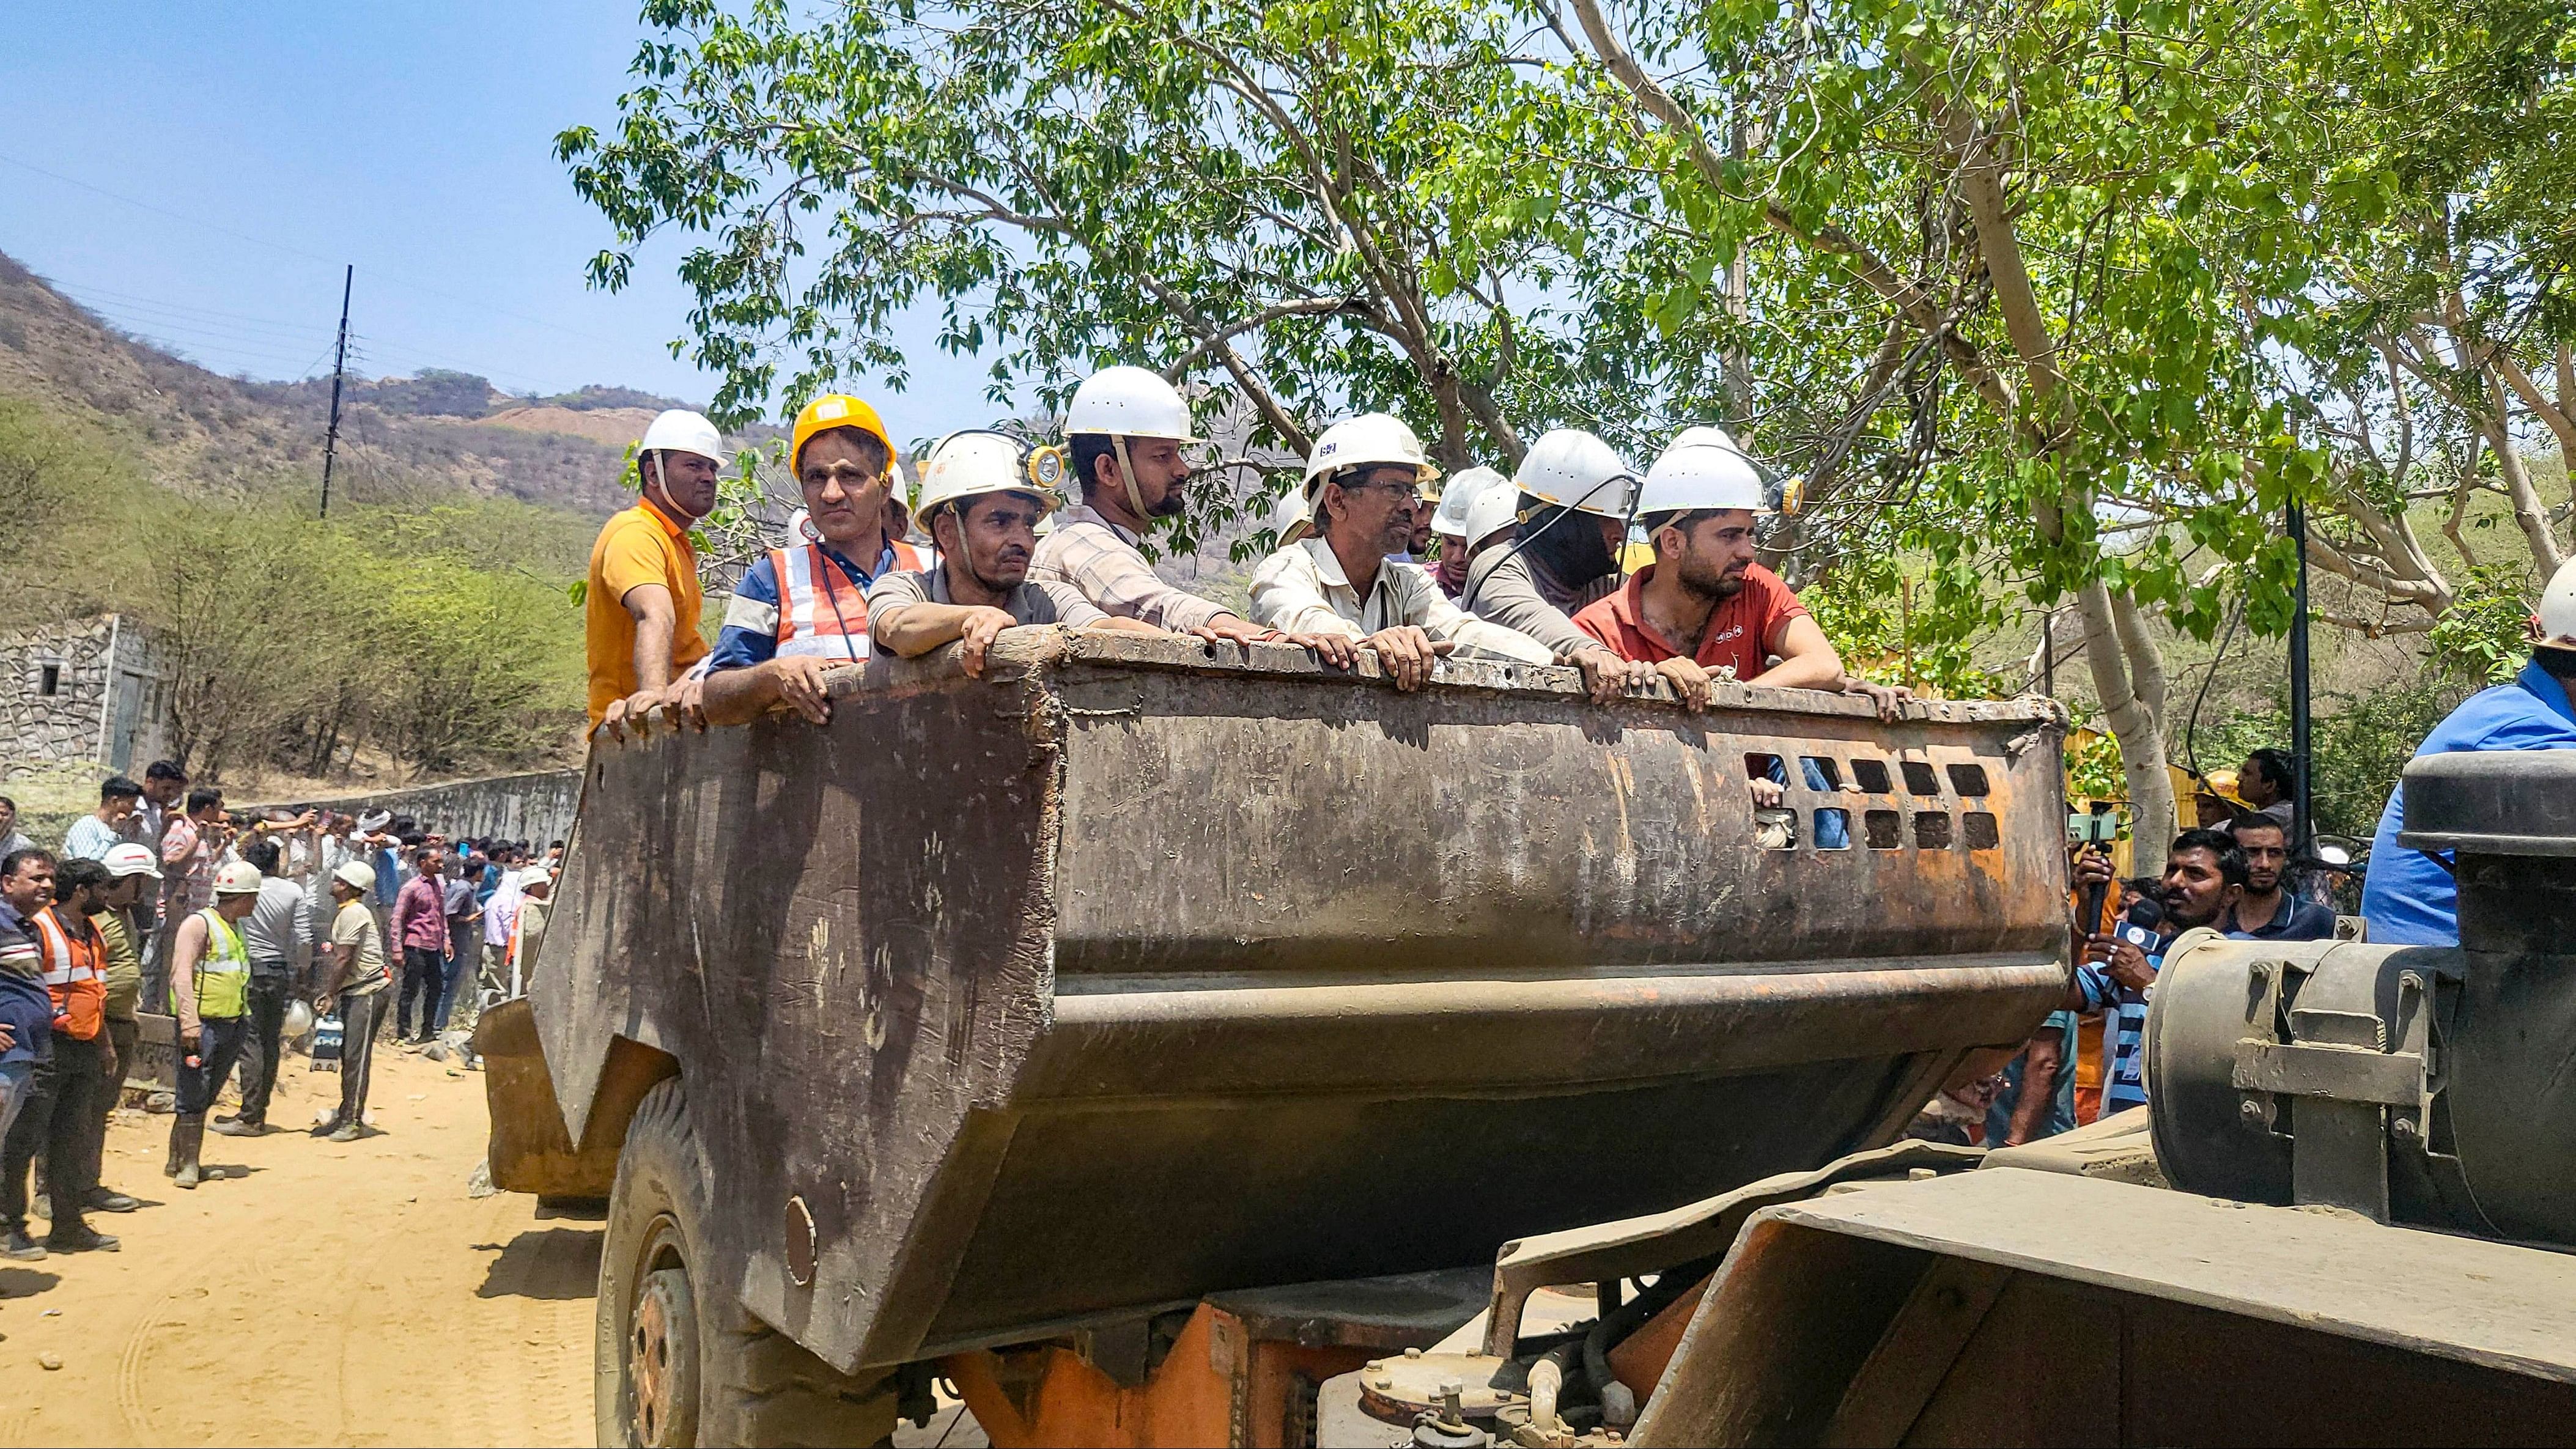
{"x": 332, "y": 1295}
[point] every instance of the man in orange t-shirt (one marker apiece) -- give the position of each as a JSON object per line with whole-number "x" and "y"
{"x": 640, "y": 613}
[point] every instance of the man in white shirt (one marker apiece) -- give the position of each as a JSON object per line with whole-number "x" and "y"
{"x": 1364, "y": 480}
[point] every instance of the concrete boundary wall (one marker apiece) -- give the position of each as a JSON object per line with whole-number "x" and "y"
{"x": 536, "y": 807}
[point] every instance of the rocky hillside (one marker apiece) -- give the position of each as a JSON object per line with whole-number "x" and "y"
{"x": 403, "y": 440}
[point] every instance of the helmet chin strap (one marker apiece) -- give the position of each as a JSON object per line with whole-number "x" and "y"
{"x": 1127, "y": 476}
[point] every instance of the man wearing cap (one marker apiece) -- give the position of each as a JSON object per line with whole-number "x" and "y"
{"x": 983, "y": 508}
{"x": 803, "y": 607}
{"x": 1458, "y": 547}
{"x": 1127, "y": 433}
{"x": 210, "y": 995}
{"x": 1364, "y": 482}
{"x": 61, "y": 1116}
{"x": 641, "y": 605}
{"x": 1704, "y": 608}
{"x": 528, "y": 931}
{"x": 133, "y": 884}
{"x": 1574, "y": 493}
{"x": 354, "y": 981}
{"x": 2409, "y": 898}
{"x": 26, "y": 1014}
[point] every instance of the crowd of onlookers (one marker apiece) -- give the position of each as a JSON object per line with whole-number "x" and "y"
{"x": 258, "y": 933}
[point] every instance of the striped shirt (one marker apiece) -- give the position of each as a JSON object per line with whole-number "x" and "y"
{"x": 2124, "y": 1025}
{"x": 1101, "y": 559}
{"x": 26, "y": 1008}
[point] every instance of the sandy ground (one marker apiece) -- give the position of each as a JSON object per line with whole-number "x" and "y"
{"x": 331, "y": 1294}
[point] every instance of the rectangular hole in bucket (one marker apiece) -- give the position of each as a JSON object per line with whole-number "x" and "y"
{"x": 1822, "y": 774}
{"x": 1931, "y": 830}
{"x": 1765, "y": 767}
{"x": 1919, "y": 779}
{"x": 1775, "y": 828}
{"x": 1886, "y": 829}
{"x": 1871, "y": 775}
{"x": 1833, "y": 828}
{"x": 1983, "y": 833}
{"x": 1968, "y": 779}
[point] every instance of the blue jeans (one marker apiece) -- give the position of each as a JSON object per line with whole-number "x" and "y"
{"x": 13, "y": 1091}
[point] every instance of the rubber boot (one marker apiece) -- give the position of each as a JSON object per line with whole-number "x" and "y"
{"x": 187, "y": 1135}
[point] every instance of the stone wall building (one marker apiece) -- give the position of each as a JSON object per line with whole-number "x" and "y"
{"x": 82, "y": 692}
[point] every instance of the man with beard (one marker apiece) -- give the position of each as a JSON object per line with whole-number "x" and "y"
{"x": 1574, "y": 493}
{"x": 983, "y": 508}
{"x": 804, "y": 607}
{"x": 641, "y": 601}
{"x": 1127, "y": 433}
{"x": 1339, "y": 588}
{"x": 2204, "y": 875}
{"x": 2409, "y": 898}
{"x": 2266, "y": 912}
{"x": 1704, "y": 606}
{"x": 1461, "y": 543}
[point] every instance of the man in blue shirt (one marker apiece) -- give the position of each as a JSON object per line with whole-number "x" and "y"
{"x": 2409, "y": 899}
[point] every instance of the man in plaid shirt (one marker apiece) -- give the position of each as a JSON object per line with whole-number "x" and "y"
{"x": 1127, "y": 433}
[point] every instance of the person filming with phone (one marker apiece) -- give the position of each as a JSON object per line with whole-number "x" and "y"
{"x": 2205, "y": 874}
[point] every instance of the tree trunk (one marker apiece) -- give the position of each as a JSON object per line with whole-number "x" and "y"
{"x": 2131, "y": 722}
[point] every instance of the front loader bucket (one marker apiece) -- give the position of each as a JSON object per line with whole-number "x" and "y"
{"x": 1138, "y": 970}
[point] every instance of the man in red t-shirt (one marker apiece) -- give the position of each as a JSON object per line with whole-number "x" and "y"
{"x": 1704, "y": 604}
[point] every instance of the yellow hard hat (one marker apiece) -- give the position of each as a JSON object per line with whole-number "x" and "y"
{"x": 835, "y": 410}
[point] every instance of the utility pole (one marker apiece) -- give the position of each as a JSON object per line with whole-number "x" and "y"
{"x": 2302, "y": 822}
{"x": 339, "y": 367}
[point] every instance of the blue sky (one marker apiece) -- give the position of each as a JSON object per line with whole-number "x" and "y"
{"x": 414, "y": 140}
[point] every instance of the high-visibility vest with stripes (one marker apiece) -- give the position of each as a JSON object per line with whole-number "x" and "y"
{"x": 820, "y": 610}
{"x": 75, "y": 974}
{"x": 222, "y": 974}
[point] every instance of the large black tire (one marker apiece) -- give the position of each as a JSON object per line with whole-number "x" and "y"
{"x": 679, "y": 1361}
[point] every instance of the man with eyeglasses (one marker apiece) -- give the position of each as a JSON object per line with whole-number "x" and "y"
{"x": 1364, "y": 481}
{"x": 803, "y": 608}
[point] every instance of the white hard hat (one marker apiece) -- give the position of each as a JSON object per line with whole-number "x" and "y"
{"x": 2558, "y": 605}
{"x": 1571, "y": 467}
{"x": 1128, "y": 402}
{"x": 299, "y": 1020}
{"x": 965, "y": 464}
{"x": 682, "y": 431}
{"x": 536, "y": 875}
{"x": 357, "y": 875}
{"x": 241, "y": 878}
{"x": 1495, "y": 509}
{"x": 1464, "y": 490}
{"x": 1290, "y": 517}
{"x": 1701, "y": 469}
{"x": 1368, "y": 440}
{"x": 130, "y": 859}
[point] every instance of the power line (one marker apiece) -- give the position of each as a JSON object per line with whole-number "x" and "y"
{"x": 372, "y": 272}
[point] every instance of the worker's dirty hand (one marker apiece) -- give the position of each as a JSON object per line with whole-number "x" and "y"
{"x": 1688, "y": 680}
{"x": 685, "y": 703}
{"x": 800, "y": 685}
{"x": 1234, "y": 630}
{"x": 1335, "y": 651}
{"x": 633, "y": 712}
{"x": 1606, "y": 676}
{"x": 1768, "y": 793}
{"x": 1407, "y": 654}
{"x": 983, "y": 626}
{"x": 1888, "y": 699}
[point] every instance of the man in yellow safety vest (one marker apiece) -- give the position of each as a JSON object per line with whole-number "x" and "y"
{"x": 210, "y": 994}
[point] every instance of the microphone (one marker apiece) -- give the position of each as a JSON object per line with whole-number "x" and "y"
{"x": 2141, "y": 928}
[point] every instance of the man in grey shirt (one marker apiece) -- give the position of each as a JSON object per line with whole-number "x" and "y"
{"x": 274, "y": 936}
{"x": 1575, "y": 493}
